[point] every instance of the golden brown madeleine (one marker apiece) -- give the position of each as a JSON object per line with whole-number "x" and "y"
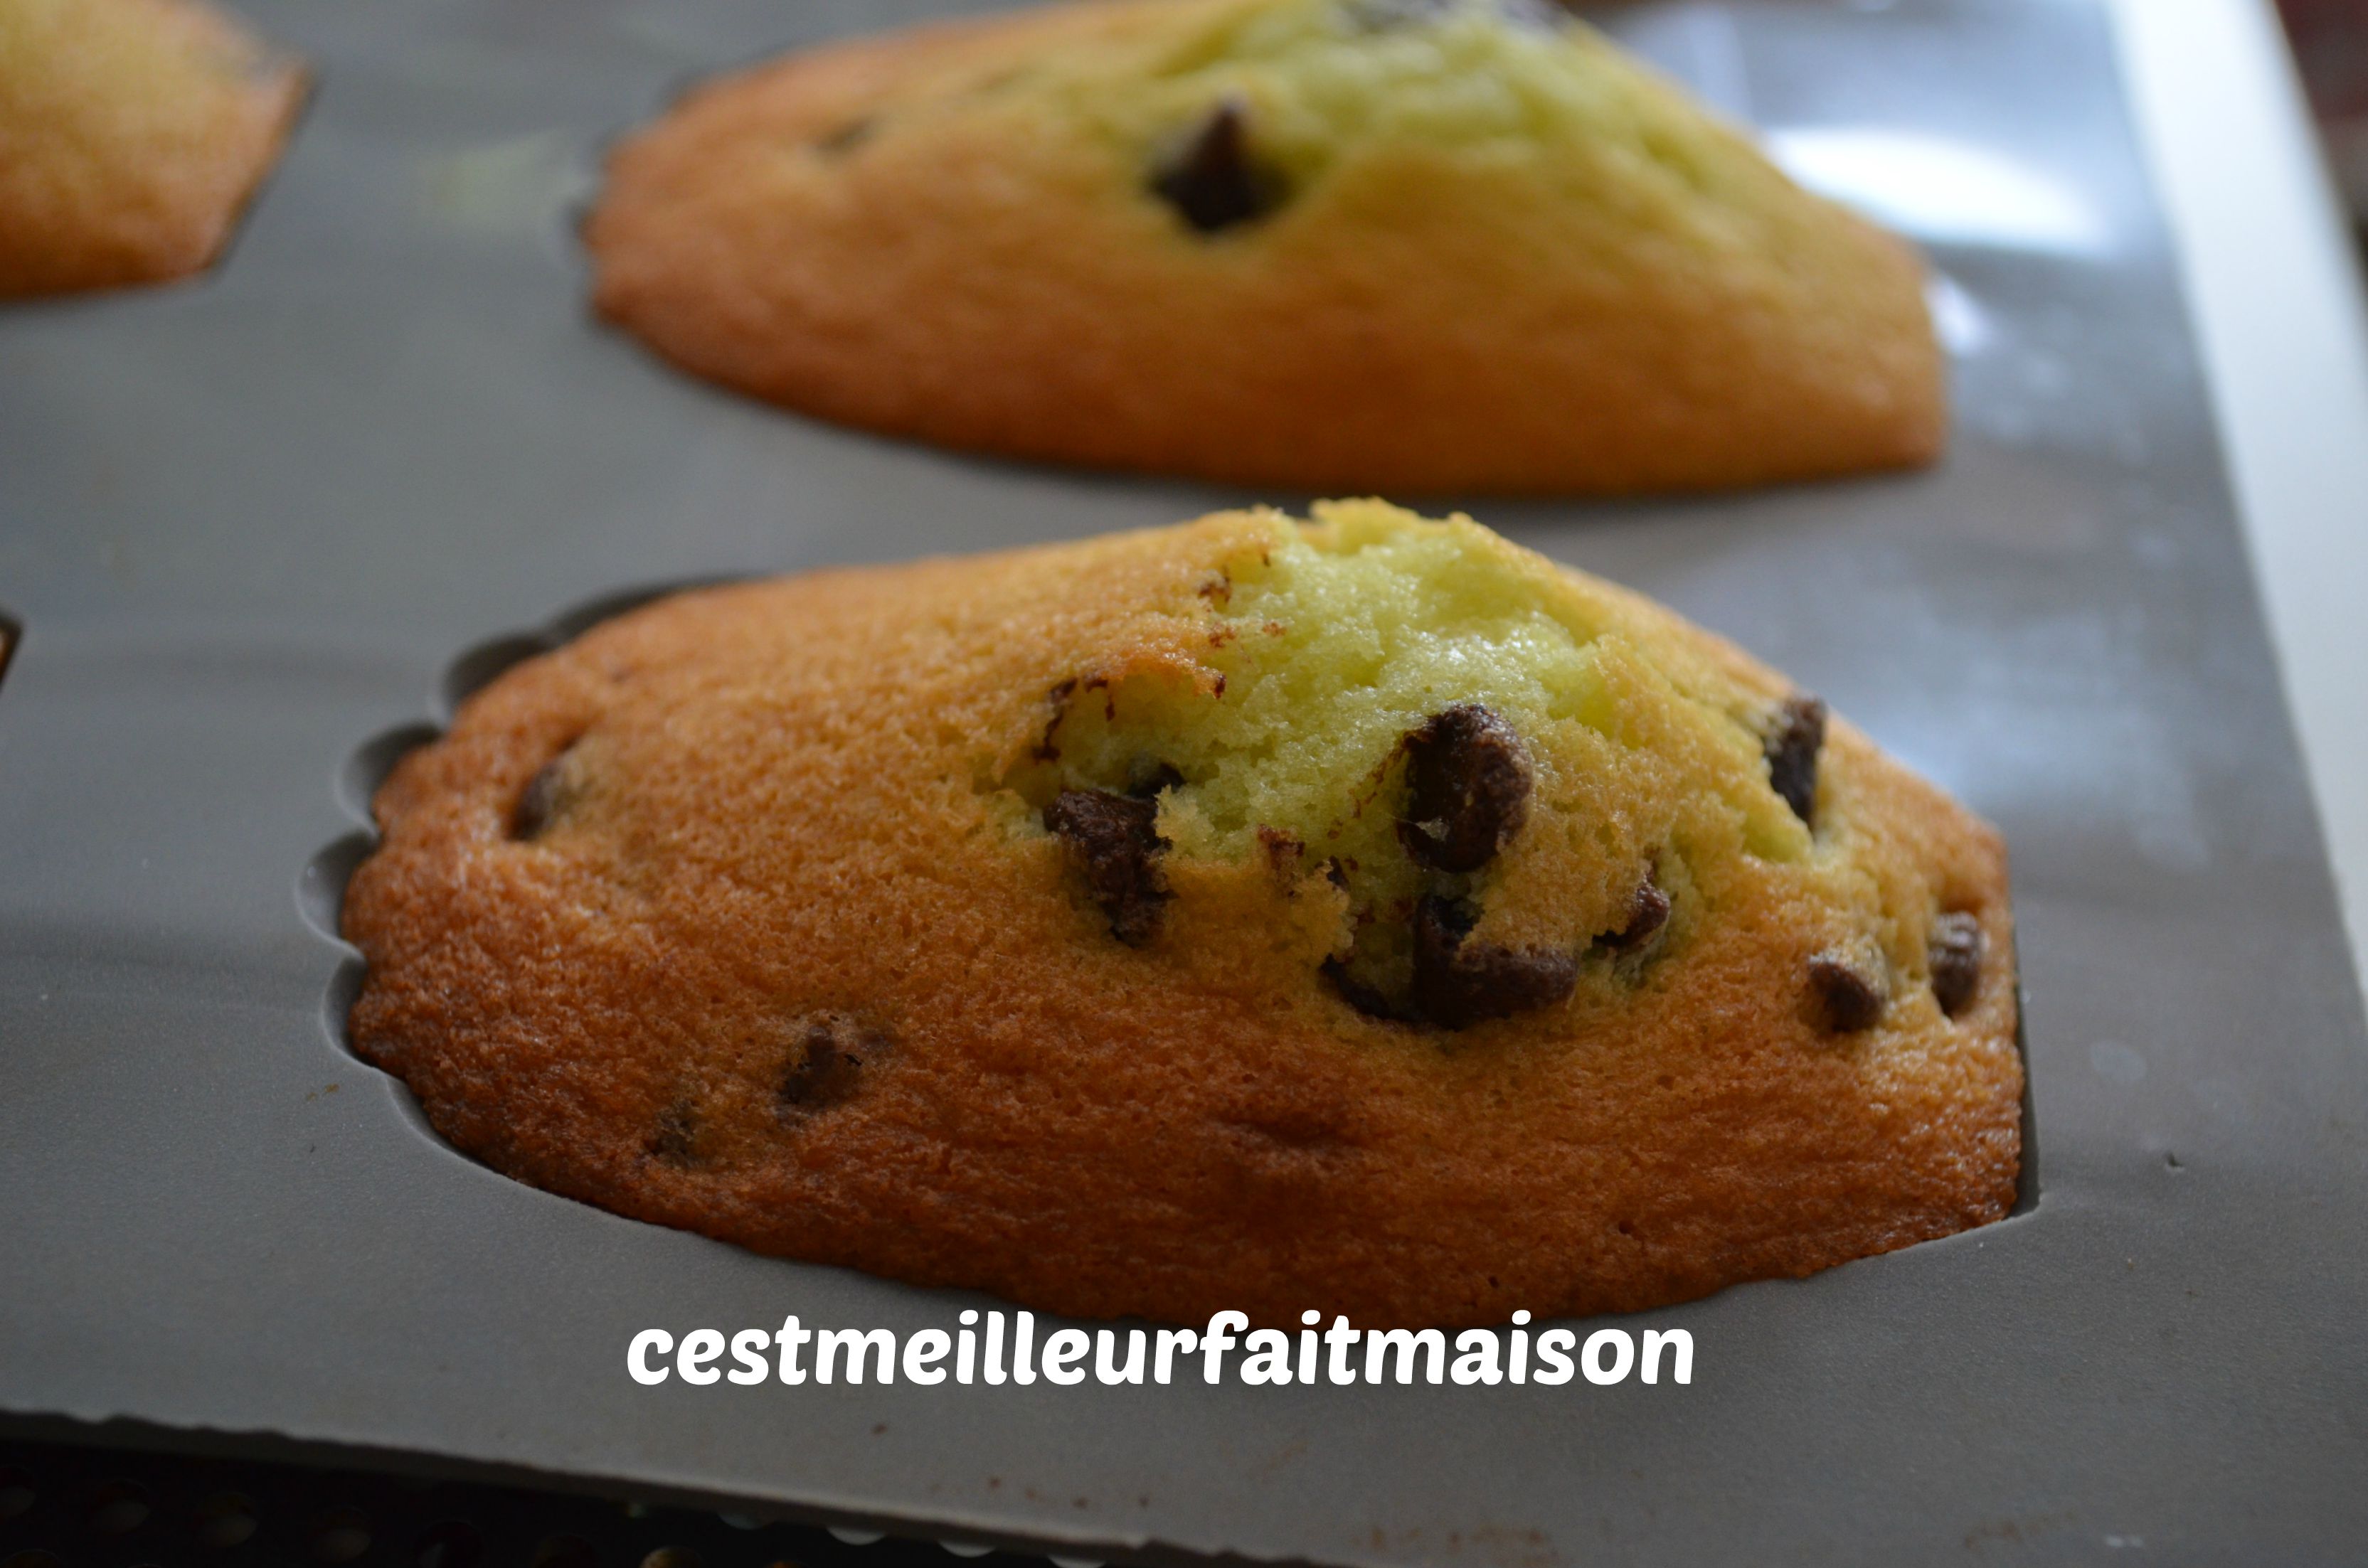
{"x": 1408, "y": 245}
{"x": 1365, "y": 914}
{"x": 131, "y": 134}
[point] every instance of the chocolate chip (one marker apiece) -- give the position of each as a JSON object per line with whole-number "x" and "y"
{"x": 826, "y": 1063}
{"x": 1148, "y": 777}
{"x": 1795, "y": 736}
{"x": 1648, "y": 911}
{"x": 676, "y": 1130}
{"x": 1213, "y": 180}
{"x": 1458, "y": 982}
{"x": 1843, "y": 998}
{"x": 1367, "y": 999}
{"x": 1954, "y": 953}
{"x": 847, "y": 137}
{"x": 1113, "y": 840}
{"x": 1467, "y": 789}
{"x": 540, "y": 803}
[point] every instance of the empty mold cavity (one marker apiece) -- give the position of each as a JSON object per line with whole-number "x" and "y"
{"x": 340, "y": 1535}
{"x": 115, "y": 1507}
{"x": 225, "y": 1519}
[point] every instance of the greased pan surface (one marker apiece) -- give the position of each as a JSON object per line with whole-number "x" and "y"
{"x": 252, "y": 524}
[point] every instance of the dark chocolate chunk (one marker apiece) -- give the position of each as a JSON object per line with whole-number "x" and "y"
{"x": 676, "y": 1130}
{"x": 540, "y": 803}
{"x": 826, "y": 1063}
{"x": 1954, "y": 953}
{"x": 1648, "y": 911}
{"x": 1467, "y": 789}
{"x": 1457, "y": 981}
{"x": 1843, "y": 998}
{"x": 1796, "y": 735}
{"x": 1367, "y": 999}
{"x": 1147, "y": 776}
{"x": 1113, "y": 840}
{"x": 1212, "y": 179}
{"x": 848, "y": 137}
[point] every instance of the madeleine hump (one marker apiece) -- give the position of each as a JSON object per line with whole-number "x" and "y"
{"x": 1411, "y": 246}
{"x": 132, "y": 133}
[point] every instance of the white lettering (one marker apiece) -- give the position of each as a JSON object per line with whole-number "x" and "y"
{"x": 1106, "y": 1367}
{"x": 1171, "y": 1341}
{"x": 637, "y": 1355}
{"x": 1379, "y": 1342}
{"x": 1554, "y": 1358}
{"x": 700, "y": 1346}
{"x": 1590, "y": 1357}
{"x": 1062, "y": 1348}
{"x": 1476, "y": 1362}
{"x": 829, "y": 1342}
{"x": 1676, "y": 1339}
{"x": 1218, "y": 1339}
{"x": 1341, "y": 1338}
{"x": 791, "y": 1339}
{"x": 922, "y": 1354}
{"x": 749, "y": 1347}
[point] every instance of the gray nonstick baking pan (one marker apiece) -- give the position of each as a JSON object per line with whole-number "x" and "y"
{"x": 259, "y": 530}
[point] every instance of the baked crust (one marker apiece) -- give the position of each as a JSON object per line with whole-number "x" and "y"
{"x": 955, "y": 233}
{"x": 777, "y": 827}
{"x": 131, "y": 134}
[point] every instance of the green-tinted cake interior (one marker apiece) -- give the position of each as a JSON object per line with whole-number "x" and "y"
{"x": 1350, "y": 633}
{"x": 1324, "y": 76}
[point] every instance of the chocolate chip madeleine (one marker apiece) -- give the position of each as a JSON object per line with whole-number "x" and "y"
{"x": 1364, "y": 914}
{"x": 1412, "y": 245}
{"x": 131, "y": 133}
